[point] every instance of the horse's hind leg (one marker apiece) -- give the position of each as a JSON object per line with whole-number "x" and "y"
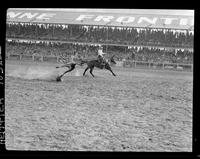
{"x": 85, "y": 71}
{"x": 91, "y": 69}
{"x": 71, "y": 69}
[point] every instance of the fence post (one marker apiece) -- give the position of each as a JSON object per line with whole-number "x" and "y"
{"x": 149, "y": 65}
{"x": 132, "y": 63}
{"x": 33, "y": 57}
{"x": 163, "y": 66}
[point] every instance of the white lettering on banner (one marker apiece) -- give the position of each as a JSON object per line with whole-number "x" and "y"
{"x": 104, "y": 18}
{"x": 129, "y": 19}
{"x": 168, "y": 21}
{"x": 152, "y": 21}
{"x": 13, "y": 14}
{"x": 81, "y": 17}
{"x": 46, "y": 16}
{"x": 28, "y": 15}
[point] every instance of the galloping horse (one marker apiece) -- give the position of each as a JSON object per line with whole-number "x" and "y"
{"x": 95, "y": 63}
{"x": 90, "y": 65}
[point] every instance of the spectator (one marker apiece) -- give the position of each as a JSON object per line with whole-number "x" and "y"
{"x": 145, "y": 54}
{"x": 115, "y": 35}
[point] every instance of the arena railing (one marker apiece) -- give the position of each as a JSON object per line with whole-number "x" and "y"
{"x": 123, "y": 63}
{"x": 158, "y": 65}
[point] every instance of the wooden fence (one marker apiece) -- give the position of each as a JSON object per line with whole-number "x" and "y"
{"x": 158, "y": 65}
{"x": 127, "y": 63}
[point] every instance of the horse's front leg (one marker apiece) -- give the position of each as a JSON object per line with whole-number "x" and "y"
{"x": 111, "y": 71}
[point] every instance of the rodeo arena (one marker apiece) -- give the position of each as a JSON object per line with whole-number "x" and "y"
{"x": 99, "y": 79}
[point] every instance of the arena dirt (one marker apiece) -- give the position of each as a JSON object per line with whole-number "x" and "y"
{"x": 138, "y": 110}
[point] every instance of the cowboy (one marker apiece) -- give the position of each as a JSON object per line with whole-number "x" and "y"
{"x": 100, "y": 57}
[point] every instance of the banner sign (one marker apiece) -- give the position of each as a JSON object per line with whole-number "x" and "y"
{"x": 52, "y": 16}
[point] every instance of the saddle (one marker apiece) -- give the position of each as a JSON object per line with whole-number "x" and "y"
{"x": 103, "y": 64}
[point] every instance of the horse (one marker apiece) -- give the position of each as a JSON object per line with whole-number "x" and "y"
{"x": 90, "y": 65}
{"x": 95, "y": 63}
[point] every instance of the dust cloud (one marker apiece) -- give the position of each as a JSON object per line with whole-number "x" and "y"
{"x": 35, "y": 73}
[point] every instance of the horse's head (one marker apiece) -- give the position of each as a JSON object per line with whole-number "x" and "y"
{"x": 112, "y": 59}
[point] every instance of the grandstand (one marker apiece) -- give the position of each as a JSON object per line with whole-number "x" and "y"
{"x": 150, "y": 36}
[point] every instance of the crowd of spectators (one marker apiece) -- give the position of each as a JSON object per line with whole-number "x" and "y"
{"x": 163, "y": 55}
{"x": 50, "y": 49}
{"x": 146, "y": 54}
{"x": 99, "y": 34}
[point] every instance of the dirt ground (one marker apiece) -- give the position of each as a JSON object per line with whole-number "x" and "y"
{"x": 138, "y": 110}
